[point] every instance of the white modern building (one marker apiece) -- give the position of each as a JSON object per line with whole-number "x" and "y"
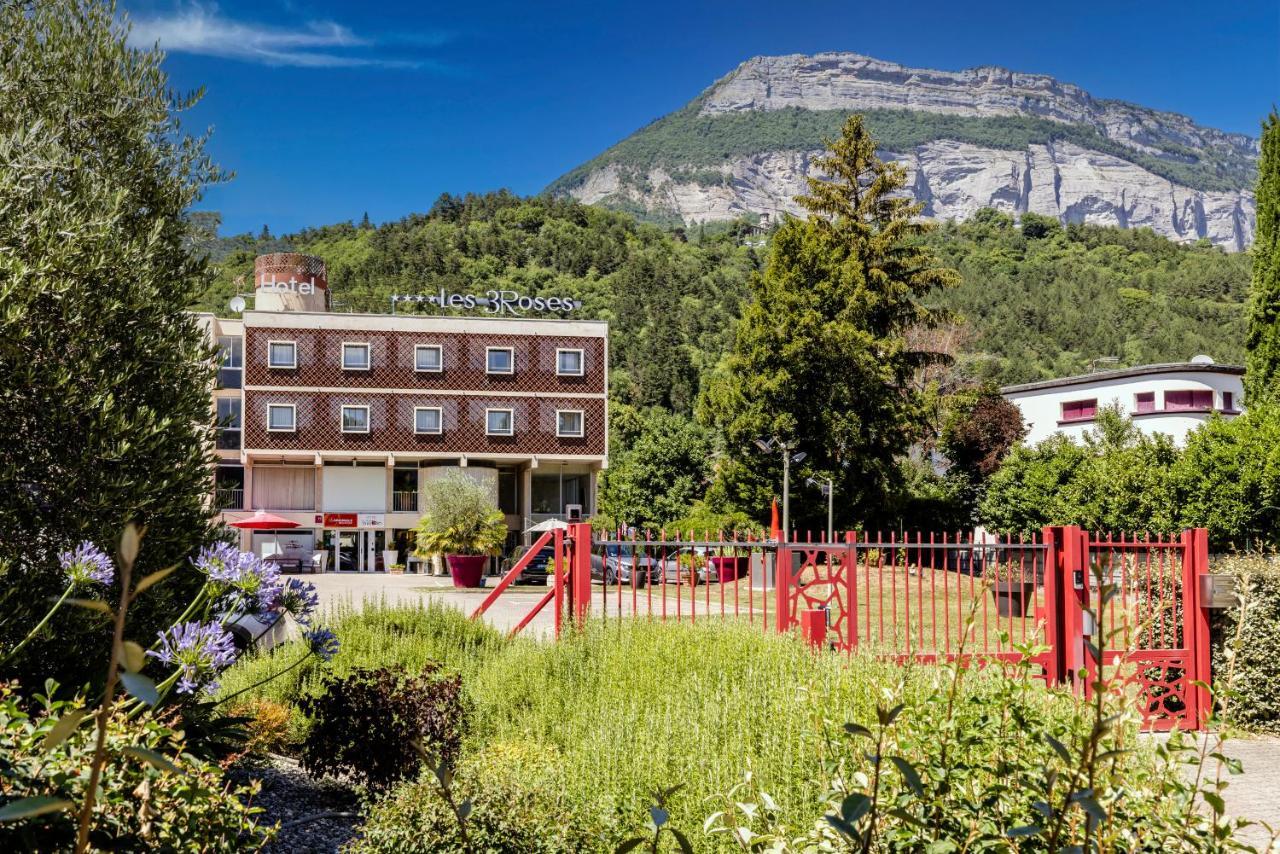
{"x": 1172, "y": 399}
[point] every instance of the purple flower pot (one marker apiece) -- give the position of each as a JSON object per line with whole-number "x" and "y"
{"x": 466, "y": 570}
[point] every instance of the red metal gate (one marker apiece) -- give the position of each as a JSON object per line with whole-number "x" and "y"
{"x": 923, "y": 597}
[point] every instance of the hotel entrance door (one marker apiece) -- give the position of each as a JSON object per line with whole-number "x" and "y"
{"x": 355, "y": 550}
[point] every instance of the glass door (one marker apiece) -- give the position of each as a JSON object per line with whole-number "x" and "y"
{"x": 347, "y": 552}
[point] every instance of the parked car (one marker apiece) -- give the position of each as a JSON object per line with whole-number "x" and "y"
{"x": 688, "y": 565}
{"x": 620, "y": 560}
{"x": 539, "y": 566}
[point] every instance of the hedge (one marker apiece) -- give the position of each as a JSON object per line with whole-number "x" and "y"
{"x": 1246, "y": 658}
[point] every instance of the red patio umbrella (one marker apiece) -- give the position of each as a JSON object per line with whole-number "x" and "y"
{"x": 264, "y": 521}
{"x": 775, "y": 527}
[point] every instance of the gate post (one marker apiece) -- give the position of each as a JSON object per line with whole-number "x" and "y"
{"x": 1052, "y": 538}
{"x": 1074, "y": 560}
{"x": 1195, "y": 631}
{"x": 782, "y": 595}
{"x": 560, "y": 561}
{"x": 580, "y": 571}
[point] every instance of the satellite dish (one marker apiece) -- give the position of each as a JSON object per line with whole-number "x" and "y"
{"x": 1202, "y": 360}
{"x": 237, "y": 304}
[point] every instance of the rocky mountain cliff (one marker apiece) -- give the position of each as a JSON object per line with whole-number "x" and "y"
{"x": 983, "y": 137}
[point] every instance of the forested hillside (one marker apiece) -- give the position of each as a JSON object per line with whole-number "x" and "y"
{"x": 1036, "y": 299}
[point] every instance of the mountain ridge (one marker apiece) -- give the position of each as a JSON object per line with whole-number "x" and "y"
{"x": 743, "y": 145}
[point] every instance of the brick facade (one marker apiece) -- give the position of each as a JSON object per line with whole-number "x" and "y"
{"x": 319, "y": 360}
{"x": 319, "y": 427}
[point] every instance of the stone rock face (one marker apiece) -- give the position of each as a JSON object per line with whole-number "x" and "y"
{"x": 954, "y": 179}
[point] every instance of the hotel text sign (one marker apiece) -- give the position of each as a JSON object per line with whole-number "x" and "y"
{"x": 292, "y": 285}
{"x": 493, "y": 302}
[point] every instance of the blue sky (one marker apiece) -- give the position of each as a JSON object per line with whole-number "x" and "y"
{"x": 328, "y": 110}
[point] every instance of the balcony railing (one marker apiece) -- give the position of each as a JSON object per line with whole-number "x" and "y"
{"x": 404, "y": 502}
{"x": 228, "y": 499}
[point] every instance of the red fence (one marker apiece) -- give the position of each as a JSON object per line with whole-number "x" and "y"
{"x": 927, "y": 597}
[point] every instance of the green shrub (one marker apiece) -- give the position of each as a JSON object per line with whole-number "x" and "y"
{"x": 519, "y": 804}
{"x": 1249, "y": 653}
{"x": 153, "y": 795}
{"x": 374, "y": 724}
{"x": 377, "y": 635}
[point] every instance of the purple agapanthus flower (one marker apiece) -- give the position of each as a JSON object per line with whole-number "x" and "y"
{"x": 296, "y": 598}
{"x": 87, "y": 563}
{"x": 220, "y": 562}
{"x": 323, "y": 643}
{"x": 200, "y": 650}
{"x": 253, "y": 583}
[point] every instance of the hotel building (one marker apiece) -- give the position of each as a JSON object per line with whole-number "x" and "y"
{"x": 337, "y": 421}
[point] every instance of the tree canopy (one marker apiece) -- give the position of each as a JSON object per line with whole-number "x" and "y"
{"x": 104, "y": 377}
{"x": 1262, "y": 382}
{"x": 821, "y": 359}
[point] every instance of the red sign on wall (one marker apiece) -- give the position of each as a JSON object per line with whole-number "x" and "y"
{"x": 340, "y": 520}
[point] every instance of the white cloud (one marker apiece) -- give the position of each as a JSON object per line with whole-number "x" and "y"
{"x": 313, "y": 44}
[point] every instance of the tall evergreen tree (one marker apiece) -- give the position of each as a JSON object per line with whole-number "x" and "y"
{"x": 104, "y": 377}
{"x": 1262, "y": 381}
{"x": 820, "y": 358}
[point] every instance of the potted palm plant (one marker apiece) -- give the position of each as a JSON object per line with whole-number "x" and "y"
{"x": 462, "y": 524}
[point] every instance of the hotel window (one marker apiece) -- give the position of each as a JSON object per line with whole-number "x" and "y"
{"x": 355, "y": 419}
{"x": 426, "y": 419}
{"x": 1228, "y": 402}
{"x": 569, "y": 423}
{"x": 498, "y": 422}
{"x": 282, "y": 354}
{"x": 229, "y": 423}
{"x": 569, "y": 363}
{"x": 231, "y": 361}
{"x": 427, "y": 357}
{"x": 499, "y": 360}
{"x": 355, "y": 357}
{"x": 281, "y": 417}
{"x": 1188, "y": 399}
{"x": 1144, "y": 401}
{"x": 1079, "y": 410}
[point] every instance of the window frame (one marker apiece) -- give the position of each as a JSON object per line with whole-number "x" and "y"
{"x": 368, "y": 352}
{"x": 439, "y": 421}
{"x": 511, "y": 421}
{"x": 1190, "y": 405}
{"x": 511, "y": 351}
{"x": 1063, "y": 418}
{"x": 1229, "y": 402}
{"x": 439, "y": 368}
{"x": 1138, "y": 401}
{"x": 582, "y": 424}
{"x": 293, "y": 418}
{"x": 582, "y": 361}
{"x": 342, "y": 418}
{"x": 293, "y": 348}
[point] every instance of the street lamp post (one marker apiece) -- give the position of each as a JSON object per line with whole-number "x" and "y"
{"x": 769, "y": 446}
